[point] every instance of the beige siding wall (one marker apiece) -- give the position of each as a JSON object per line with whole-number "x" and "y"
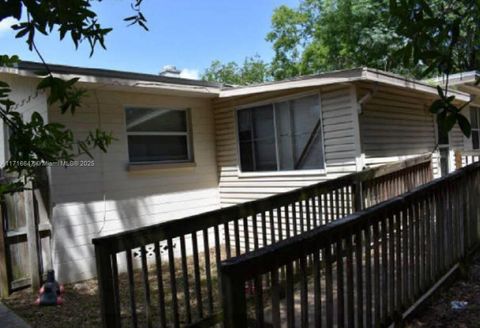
{"x": 28, "y": 100}
{"x": 338, "y": 135}
{"x": 395, "y": 124}
{"x": 92, "y": 201}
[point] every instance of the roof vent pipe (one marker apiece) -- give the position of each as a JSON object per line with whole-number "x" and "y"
{"x": 170, "y": 71}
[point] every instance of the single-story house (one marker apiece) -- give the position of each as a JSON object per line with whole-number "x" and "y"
{"x": 185, "y": 146}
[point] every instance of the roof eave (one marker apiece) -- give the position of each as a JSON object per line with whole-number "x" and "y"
{"x": 95, "y": 82}
{"x": 345, "y": 76}
{"x": 396, "y": 80}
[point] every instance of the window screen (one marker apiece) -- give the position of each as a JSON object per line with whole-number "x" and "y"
{"x": 157, "y": 135}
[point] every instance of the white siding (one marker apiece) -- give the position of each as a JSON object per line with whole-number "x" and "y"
{"x": 91, "y": 201}
{"x": 27, "y": 100}
{"x": 339, "y": 142}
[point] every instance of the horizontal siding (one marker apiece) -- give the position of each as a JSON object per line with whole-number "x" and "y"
{"x": 457, "y": 140}
{"x": 27, "y": 100}
{"x": 394, "y": 126}
{"x": 92, "y": 201}
{"x": 339, "y": 144}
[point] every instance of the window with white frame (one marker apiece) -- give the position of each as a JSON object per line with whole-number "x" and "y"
{"x": 475, "y": 123}
{"x": 281, "y": 136}
{"x": 158, "y": 135}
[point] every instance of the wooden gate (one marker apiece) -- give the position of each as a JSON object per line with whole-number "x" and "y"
{"x": 24, "y": 240}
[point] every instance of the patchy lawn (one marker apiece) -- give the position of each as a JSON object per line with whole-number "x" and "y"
{"x": 439, "y": 312}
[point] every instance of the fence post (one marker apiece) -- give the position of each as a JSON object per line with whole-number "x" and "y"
{"x": 358, "y": 196}
{"x": 105, "y": 287}
{"x": 234, "y": 301}
{"x": 32, "y": 236}
{"x": 4, "y": 282}
{"x": 458, "y": 159}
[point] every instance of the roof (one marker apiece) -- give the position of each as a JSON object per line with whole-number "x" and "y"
{"x": 463, "y": 81}
{"x": 120, "y": 80}
{"x": 340, "y": 76}
{"x": 100, "y": 72}
{"x": 458, "y": 78}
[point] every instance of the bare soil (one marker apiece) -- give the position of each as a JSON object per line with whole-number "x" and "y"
{"x": 438, "y": 311}
{"x": 81, "y": 307}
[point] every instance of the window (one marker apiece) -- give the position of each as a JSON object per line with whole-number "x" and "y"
{"x": 281, "y": 136}
{"x": 475, "y": 122}
{"x": 158, "y": 135}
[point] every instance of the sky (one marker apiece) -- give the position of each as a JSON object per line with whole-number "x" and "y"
{"x": 188, "y": 34}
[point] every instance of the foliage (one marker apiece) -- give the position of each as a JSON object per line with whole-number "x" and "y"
{"x": 444, "y": 36}
{"x": 416, "y": 38}
{"x": 32, "y": 140}
{"x": 333, "y": 34}
{"x": 253, "y": 70}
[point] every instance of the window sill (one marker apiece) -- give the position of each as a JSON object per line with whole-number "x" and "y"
{"x": 281, "y": 173}
{"x": 134, "y": 167}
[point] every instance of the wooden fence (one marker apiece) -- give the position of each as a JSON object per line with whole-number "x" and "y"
{"x": 466, "y": 157}
{"x": 369, "y": 269}
{"x": 25, "y": 234}
{"x": 183, "y": 288}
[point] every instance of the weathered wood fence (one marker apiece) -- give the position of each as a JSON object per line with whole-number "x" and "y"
{"x": 25, "y": 233}
{"x": 366, "y": 270}
{"x": 183, "y": 287}
{"x": 466, "y": 157}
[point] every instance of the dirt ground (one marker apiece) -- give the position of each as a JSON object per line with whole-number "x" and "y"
{"x": 439, "y": 312}
{"x": 81, "y": 308}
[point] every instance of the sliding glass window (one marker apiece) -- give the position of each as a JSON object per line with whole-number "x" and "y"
{"x": 281, "y": 136}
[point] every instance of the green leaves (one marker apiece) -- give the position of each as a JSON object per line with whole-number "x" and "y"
{"x": 34, "y": 144}
{"x": 75, "y": 18}
{"x": 63, "y": 92}
{"x": 253, "y": 70}
{"x": 442, "y": 37}
{"x": 320, "y": 36}
{"x": 8, "y": 61}
{"x": 32, "y": 141}
{"x": 138, "y": 18}
{"x": 448, "y": 114}
{"x": 464, "y": 125}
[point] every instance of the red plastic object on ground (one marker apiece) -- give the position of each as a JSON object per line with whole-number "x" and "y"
{"x": 51, "y": 292}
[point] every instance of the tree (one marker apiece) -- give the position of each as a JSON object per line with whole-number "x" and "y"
{"x": 333, "y": 34}
{"x": 416, "y": 38}
{"x": 253, "y": 70}
{"x": 443, "y": 36}
{"x": 34, "y": 142}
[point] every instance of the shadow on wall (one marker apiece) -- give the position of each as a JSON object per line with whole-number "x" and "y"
{"x": 77, "y": 223}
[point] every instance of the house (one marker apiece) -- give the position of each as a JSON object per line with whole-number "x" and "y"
{"x": 467, "y": 82}
{"x": 183, "y": 146}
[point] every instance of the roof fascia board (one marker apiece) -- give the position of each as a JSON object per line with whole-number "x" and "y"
{"x": 458, "y": 78}
{"x": 106, "y": 82}
{"x": 309, "y": 81}
{"x": 362, "y": 74}
{"x": 396, "y": 80}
